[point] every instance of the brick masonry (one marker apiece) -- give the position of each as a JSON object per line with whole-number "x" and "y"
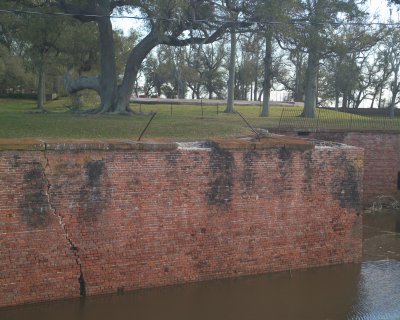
{"x": 382, "y": 160}
{"x": 84, "y": 218}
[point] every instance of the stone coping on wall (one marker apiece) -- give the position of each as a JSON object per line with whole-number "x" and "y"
{"x": 244, "y": 143}
{"x": 266, "y": 142}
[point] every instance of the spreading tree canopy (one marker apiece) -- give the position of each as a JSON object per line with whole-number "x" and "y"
{"x": 173, "y": 23}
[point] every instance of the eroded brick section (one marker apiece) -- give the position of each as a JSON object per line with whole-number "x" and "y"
{"x": 141, "y": 219}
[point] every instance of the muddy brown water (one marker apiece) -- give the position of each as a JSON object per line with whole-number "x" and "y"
{"x": 370, "y": 290}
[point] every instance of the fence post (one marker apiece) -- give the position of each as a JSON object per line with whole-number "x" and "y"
{"x": 147, "y": 125}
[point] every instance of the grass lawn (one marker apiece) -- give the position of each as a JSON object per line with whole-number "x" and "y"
{"x": 19, "y": 119}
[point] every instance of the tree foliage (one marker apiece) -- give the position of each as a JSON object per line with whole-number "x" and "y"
{"x": 173, "y": 23}
{"x": 304, "y": 46}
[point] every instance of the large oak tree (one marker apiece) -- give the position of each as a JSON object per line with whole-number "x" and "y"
{"x": 172, "y": 22}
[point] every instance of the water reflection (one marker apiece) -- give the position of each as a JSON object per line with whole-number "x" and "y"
{"x": 370, "y": 290}
{"x": 379, "y": 291}
{"x": 323, "y": 293}
{"x": 381, "y": 236}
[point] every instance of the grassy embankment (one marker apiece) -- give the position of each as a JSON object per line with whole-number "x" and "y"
{"x": 18, "y": 118}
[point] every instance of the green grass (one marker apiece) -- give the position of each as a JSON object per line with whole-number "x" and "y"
{"x": 18, "y": 118}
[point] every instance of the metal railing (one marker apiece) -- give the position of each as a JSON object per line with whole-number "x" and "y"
{"x": 333, "y": 120}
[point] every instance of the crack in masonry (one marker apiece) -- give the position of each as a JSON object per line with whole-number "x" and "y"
{"x": 73, "y": 247}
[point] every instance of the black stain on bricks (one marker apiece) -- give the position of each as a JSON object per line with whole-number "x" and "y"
{"x": 284, "y": 154}
{"x": 308, "y": 171}
{"x": 248, "y": 170}
{"x": 94, "y": 173}
{"x": 35, "y": 207}
{"x": 95, "y": 193}
{"x": 220, "y": 190}
{"x": 347, "y": 186}
{"x": 16, "y": 162}
{"x": 285, "y": 165}
{"x": 173, "y": 158}
{"x": 285, "y": 160}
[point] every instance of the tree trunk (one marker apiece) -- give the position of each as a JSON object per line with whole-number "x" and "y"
{"x": 337, "y": 93}
{"x": 393, "y": 99}
{"x": 260, "y": 95}
{"x": 357, "y": 101}
{"x": 113, "y": 98}
{"x": 181, "y": 85}
{"x": 373, "y": 100}
{"x": 268, "y": 74}
{"x": 255, "y": 91}
{"x": 298, "y": 87}
{"x": 41, "y": 95}
{"x": 231, "y": 80}
{"x": 198, "y": 92}
{"x": 345, "y": 100}
{"x": 135, "y": 59}
{"x": 108, "y": 75}
{"x": 311, "y": 84}
{"x": 380, "y": 98}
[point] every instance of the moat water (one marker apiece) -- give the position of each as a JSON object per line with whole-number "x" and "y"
{"x": 370, "y": 290}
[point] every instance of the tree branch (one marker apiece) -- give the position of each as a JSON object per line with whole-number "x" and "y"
{"x": 72, "y": 86}
{"x": 174, "y": 41}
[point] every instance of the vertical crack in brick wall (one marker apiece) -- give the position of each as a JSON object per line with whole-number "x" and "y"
{"x": 73, "y": 247}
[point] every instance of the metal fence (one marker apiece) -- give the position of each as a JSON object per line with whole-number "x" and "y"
{"x": 334, "y": 120}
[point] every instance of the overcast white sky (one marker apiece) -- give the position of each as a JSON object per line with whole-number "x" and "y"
{"x": 381, "y": 8}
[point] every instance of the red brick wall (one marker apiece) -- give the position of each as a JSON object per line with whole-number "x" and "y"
{"x": 381, "y": 161}
{"x": 124, "y": 219}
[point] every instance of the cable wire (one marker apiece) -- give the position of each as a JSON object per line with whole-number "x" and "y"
{"x": 291, "y": 22}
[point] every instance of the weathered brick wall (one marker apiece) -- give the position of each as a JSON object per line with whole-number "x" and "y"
{"x": 88, "y": 219}
{"x": 382, "y": 160}
{"x": 36, "y": 263}
{"x": 382, "y": 163}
